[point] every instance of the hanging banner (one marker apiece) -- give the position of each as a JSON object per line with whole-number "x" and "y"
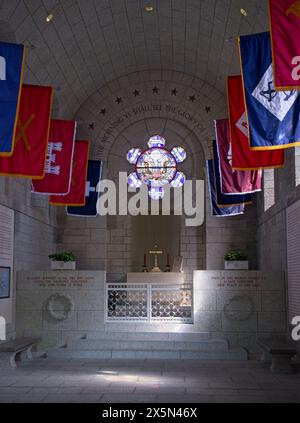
{"x": 59, "y": 162}
{"x": 273, "y": 116}
{"x": 12, "y": 58}
{"x": 285, "y": 34}
{"x": 216, "y": 210}
{"x": 76, "y": 196}
{"x": 233, "y": 181}
{"x": 29, "y": 156}
{"x": 92, "y": 192}
{"x": 224, "y": 200}
{"x": 243, "y": 158}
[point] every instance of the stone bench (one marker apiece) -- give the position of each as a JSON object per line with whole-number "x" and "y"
{"x": 10, "y": 352}
{"x": 279, "y": 354}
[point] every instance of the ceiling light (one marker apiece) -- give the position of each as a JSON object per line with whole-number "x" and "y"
{"x": 49, "y": 18}
{"x": 243, "y": 12}
{"x": 149, "y": 8}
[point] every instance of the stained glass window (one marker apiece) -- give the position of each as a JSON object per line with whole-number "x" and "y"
{"x": 156, "y": 167}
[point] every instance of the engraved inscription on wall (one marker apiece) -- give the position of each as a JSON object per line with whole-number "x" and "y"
{"x": 6, "y": 236}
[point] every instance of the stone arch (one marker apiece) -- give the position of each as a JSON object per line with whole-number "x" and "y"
{"x": 184, "y": 99}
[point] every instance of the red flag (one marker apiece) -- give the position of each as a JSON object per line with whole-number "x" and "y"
{"x": 33, "y": 125}
{"x": 233, "y": 181}
{"x": 76, "y": 196}
{"x": 243, "y": 157}
{"x": 285, "y": 36}
{"x": 59, "y": 161}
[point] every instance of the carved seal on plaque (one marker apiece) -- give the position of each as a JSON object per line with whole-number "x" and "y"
{"x": 59, "y": 307}
{"x": 239, "y": 308}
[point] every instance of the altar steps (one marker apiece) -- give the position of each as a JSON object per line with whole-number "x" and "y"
{"x": 149, "y": 346}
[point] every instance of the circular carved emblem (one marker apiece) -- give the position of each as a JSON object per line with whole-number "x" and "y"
{"x": 59, "y": 307}
{"x": 239, "y": 308}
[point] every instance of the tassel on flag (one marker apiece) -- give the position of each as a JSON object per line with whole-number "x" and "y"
{"x": 12, "y": 58}
{"x": 273, "y": 116}
{"x": 243, "y": 158}
{"x": 76, "y": 196}
{"x": 216, "y": 210}
{"x": 33, "y": 126}
{"x": 92, "y": 192}
{"x": 285, "y": 34}
{"x": 59, "y": 162}
{"x": 233, "y": 181}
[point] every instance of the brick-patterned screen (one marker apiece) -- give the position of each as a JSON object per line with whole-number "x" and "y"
{"x": 6, "y": 236}
{"x": 293, "y": 254}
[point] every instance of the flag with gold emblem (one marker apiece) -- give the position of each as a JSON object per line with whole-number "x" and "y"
{"x": 273, "y": 116}
{"x": 76, "y": 196}
{"x": 32, "y": 134}
{"x": 12, "y": 57}
{"x": 243, "y": 158}
{"x": 59, "y": 162}
{"x": 285, "y": 33}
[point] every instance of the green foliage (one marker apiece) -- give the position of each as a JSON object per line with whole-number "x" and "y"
{"x": 236, "y": 255}
{"x": 65, "y": 257}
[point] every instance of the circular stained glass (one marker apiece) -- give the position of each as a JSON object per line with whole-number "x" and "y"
{"x": 156, "y": 167}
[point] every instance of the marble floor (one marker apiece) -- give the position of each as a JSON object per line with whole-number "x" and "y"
{"x": 145, "y": 381}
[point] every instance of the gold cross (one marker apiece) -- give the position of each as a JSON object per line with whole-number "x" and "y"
{"x": 156, "y": 253}
{"x": 22, "y": 132}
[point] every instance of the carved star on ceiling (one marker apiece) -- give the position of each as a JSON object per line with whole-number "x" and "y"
{"x": 103, "y": 111}
{"x": 192, "y": 98}
{"x": 136, "y": 93}
{"x": 155, "y": 90}
{"x": 174, "y": 92}
{"x": 119, "y": 100}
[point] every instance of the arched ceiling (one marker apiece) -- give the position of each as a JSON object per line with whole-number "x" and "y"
{"x": 91, "y": 43}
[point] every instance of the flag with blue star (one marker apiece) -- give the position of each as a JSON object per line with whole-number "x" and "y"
{"x": 273, "y": 116}
{"x": 92, "y": 194}
{"x": 216, "y": 210}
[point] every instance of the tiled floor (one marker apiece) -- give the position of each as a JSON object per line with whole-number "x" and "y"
{"x": 161, "y": 381}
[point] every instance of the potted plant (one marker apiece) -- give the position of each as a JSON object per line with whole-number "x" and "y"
{"x": 236, "y": 260}
{"x": 63, "y": 261}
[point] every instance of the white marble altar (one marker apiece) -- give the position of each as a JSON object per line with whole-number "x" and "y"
{"x": 153, "y": 277}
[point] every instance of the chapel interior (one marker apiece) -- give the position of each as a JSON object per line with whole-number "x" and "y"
{"x": 112, "y": 330}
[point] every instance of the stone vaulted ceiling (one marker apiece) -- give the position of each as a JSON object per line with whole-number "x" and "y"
{"x": 97, "y": 51}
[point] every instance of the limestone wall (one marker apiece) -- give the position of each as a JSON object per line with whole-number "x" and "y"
{"x": 34, "y": 229}
{"x": 240, "y": 306}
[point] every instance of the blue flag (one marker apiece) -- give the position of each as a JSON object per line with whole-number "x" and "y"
{"x": 225, "y": 199}
{"x": 273, "y": 116}
{"x": 216, "y": 210}
{"x": 11, "y": 77}
{"x": 92, "y": 194}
